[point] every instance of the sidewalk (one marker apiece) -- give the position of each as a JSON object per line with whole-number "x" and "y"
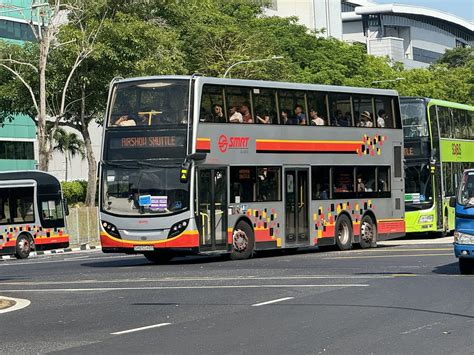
{"x": 402, "y": 241}
{"x": 55, "y": 251}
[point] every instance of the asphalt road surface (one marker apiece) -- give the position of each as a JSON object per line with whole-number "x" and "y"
{"x": 394, "y": 299}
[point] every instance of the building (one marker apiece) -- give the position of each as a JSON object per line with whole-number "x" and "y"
{"x": 17, "y": 133}
{"x": 314, "y": 14}
{"x": 413, "y": 35}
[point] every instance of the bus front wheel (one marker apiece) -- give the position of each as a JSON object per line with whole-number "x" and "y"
{"x": 243, "y": 242}
{"x": 24, "y": 245}
{"x": 368, "y": 233}
{"x": 466, "y": 266}
{"x": 343, "y": 232}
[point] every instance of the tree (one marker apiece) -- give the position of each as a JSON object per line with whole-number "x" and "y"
{"x": 457, "y": 57}
{"x": 69, "y": 145}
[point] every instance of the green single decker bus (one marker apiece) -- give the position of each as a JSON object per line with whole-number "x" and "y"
{"x": 439, "y": 145}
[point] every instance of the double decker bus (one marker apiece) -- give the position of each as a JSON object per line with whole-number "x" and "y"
{"x": 32, "y": 213}
{"x": 211, "y": 165}
{"x": 439, "y": 145}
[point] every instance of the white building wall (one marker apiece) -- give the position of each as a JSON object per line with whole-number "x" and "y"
{"x": 77, "y": 169}
{"x": 353, "y": 32}
{"x": 314, "y": 14}
{"x": 436, "y": 42}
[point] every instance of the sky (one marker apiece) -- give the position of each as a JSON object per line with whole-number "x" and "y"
{"x": 460, "y": 8}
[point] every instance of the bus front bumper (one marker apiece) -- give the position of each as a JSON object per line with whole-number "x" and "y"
{"x": 464, "y": 250}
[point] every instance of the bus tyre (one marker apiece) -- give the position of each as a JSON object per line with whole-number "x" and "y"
{"x": 343, "y": 232}
{"x": 243, "y": 242}
{"x": 466, "y": 266}
{"x": 157, "y": 257}
{"x": 368, "y": 233}
{"x": 24, "y": 245}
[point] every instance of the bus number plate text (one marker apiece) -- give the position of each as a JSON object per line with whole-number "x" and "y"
{"x": 143, "y": 248}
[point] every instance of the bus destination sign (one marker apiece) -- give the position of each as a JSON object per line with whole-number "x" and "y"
{"x": 148, "y": 142}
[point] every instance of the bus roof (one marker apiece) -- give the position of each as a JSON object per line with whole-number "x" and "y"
{"x": 267, "y": 84}
{"x": 46, "y": 182}
{"x": 438, "y": 102}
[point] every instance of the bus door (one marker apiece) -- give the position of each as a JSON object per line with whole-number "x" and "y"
{"x": 296, "y": 206}
{"x": 212, "y": 201}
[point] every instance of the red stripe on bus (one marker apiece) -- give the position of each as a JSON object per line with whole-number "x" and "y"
{"x": 396, "y": 226}
{"x": 308, "y": 146}
{"x": 203, "y": 144}
{"x": 186, "y": 240}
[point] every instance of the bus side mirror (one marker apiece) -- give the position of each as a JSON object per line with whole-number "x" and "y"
{"x": 184, "y": 173}
{"x": 66, "y": 207}
{"x": 452, "y": 202}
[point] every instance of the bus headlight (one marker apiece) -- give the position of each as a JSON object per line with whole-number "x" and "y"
{"x": 463, "y": 238}
{"x": 111, "y": 229}
{"x": 178, "y": 228}
{"x": 426, "y": 219}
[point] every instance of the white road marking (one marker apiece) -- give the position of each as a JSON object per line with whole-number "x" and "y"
{"x": 384, "y": 256}
{"x": 141, "y": 328}
{"x": 180, "y": 288}
{"x": 222, "y": 278}
{"x": 81, "y": 258}
{"x": 273, "y": 301}
{"x": 19, "y": 304}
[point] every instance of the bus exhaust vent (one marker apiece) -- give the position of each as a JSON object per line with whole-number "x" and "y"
{"x": 398, "y": 203}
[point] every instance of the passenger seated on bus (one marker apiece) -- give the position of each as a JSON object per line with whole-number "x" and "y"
{"x": 264, "y": 117}
{"x": 218, "y": 114}
{"x": 339, "y": 119}
{"x": 203, "y": 115}
{"x": 360, "y": 184}
{"x": 366, "y": 119}
{"x": 300, "y": 117}
{"x": 125, "y": 121}
{"x": 246, "y": 115}
{"x": 285, "y": 116}
{"x": 381, "y": 117}
{"x": 234, "y": 115}
{"x": 315, "y": 119}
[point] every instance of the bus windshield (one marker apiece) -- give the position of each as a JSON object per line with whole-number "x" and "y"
{"x": 414, "y": 121}
{"x": 149, "y": 103}
{"x": 418, "y": 188}
{"x": 150, "y": 191}
{"x": 466, "y": 191}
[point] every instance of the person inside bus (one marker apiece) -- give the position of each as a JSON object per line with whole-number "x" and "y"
{"x": 218, "y": 114}
{"x": 360, "y": 184}
{"x": 125, "y": 121}
{"x": 234, "y": 115}
{"x": 300, "y": 117}
{"x": 339, "y": 119}
{"x": 381, "y": 117}
{"x": 366, "y": 119}
{"x": 315, "y": 119}
{"x": 246, "y": 115}
{"x": 264, "y": 117}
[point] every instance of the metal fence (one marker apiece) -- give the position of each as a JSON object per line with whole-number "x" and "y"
{"x": 83, "y": 226}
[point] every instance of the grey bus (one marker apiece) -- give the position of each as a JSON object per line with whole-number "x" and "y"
{"x": 193, "y": 164}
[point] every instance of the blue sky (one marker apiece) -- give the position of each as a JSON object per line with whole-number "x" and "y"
{"x": 461, "y": 8}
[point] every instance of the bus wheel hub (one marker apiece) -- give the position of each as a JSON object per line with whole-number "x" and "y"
{"x": 367, "y": 232}
{"x": 240, "y": 240}
{"x": 24, "y": 245}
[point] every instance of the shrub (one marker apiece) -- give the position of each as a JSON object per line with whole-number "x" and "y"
{"x": 74, "y": 191}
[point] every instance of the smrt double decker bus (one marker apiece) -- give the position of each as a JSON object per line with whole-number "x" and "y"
{"x": 212, "y": 165}
{"x": 32, "y": 213}
{"x": 439, "y": 145}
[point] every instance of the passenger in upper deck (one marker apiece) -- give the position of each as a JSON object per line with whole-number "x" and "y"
{"x": 315, "y": 119}
{"x": 285, "y": 116}
{"x": 234, "y": 115}
{"x": 300, "y": 117}
{"x": 217, "y": 114}
{"x": 264, "y": 117}
{"x": 381, "y": 117}
{"x": 246, "y": 115}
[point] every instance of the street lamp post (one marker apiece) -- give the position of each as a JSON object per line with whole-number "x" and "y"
{"x": 251, "y": 61}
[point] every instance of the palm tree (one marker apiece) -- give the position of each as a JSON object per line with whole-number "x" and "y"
{"x": 68, "y": 144}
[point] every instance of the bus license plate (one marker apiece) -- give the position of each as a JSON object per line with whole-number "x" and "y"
{"x": 143, "y": 248}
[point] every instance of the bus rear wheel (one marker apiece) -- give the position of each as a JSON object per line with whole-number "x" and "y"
{"x": 158, "y": 257}
{"x": 343, "y": 232}
{"x": 243, "y": 242}
{"x": 466, "y": 266}
{"x": 368, "y": 233}
{"x": 24, "y": 245}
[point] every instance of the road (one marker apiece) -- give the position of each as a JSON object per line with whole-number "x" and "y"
{"x": 393, "y": 299}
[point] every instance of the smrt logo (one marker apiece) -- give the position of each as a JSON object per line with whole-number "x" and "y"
{"x": 225, "y": 143}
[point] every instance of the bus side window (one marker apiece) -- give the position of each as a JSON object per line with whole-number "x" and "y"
{"x": 264, "y": 101}
{"x": 238, "y": 98}
{"x": 243, "y": 184}
{"x": 341, "y": 110}
{"x": 363, "y": 111}
{"x": 343, "y": 181}
{"x": 317, "y": 109}
{"x": 384, "y": 113}
{"x": 212, "y": 104}
{"x": 291, "y": 103}
{"x": 4, "y": 207}
{"x": 320, "y": 182}
{"x": 21, "y": 205}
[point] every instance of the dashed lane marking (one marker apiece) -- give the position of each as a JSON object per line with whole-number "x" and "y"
{"x": 215, "y": 287}
{"x": 141, "y": 328}
{"x": 272, "y": 301}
